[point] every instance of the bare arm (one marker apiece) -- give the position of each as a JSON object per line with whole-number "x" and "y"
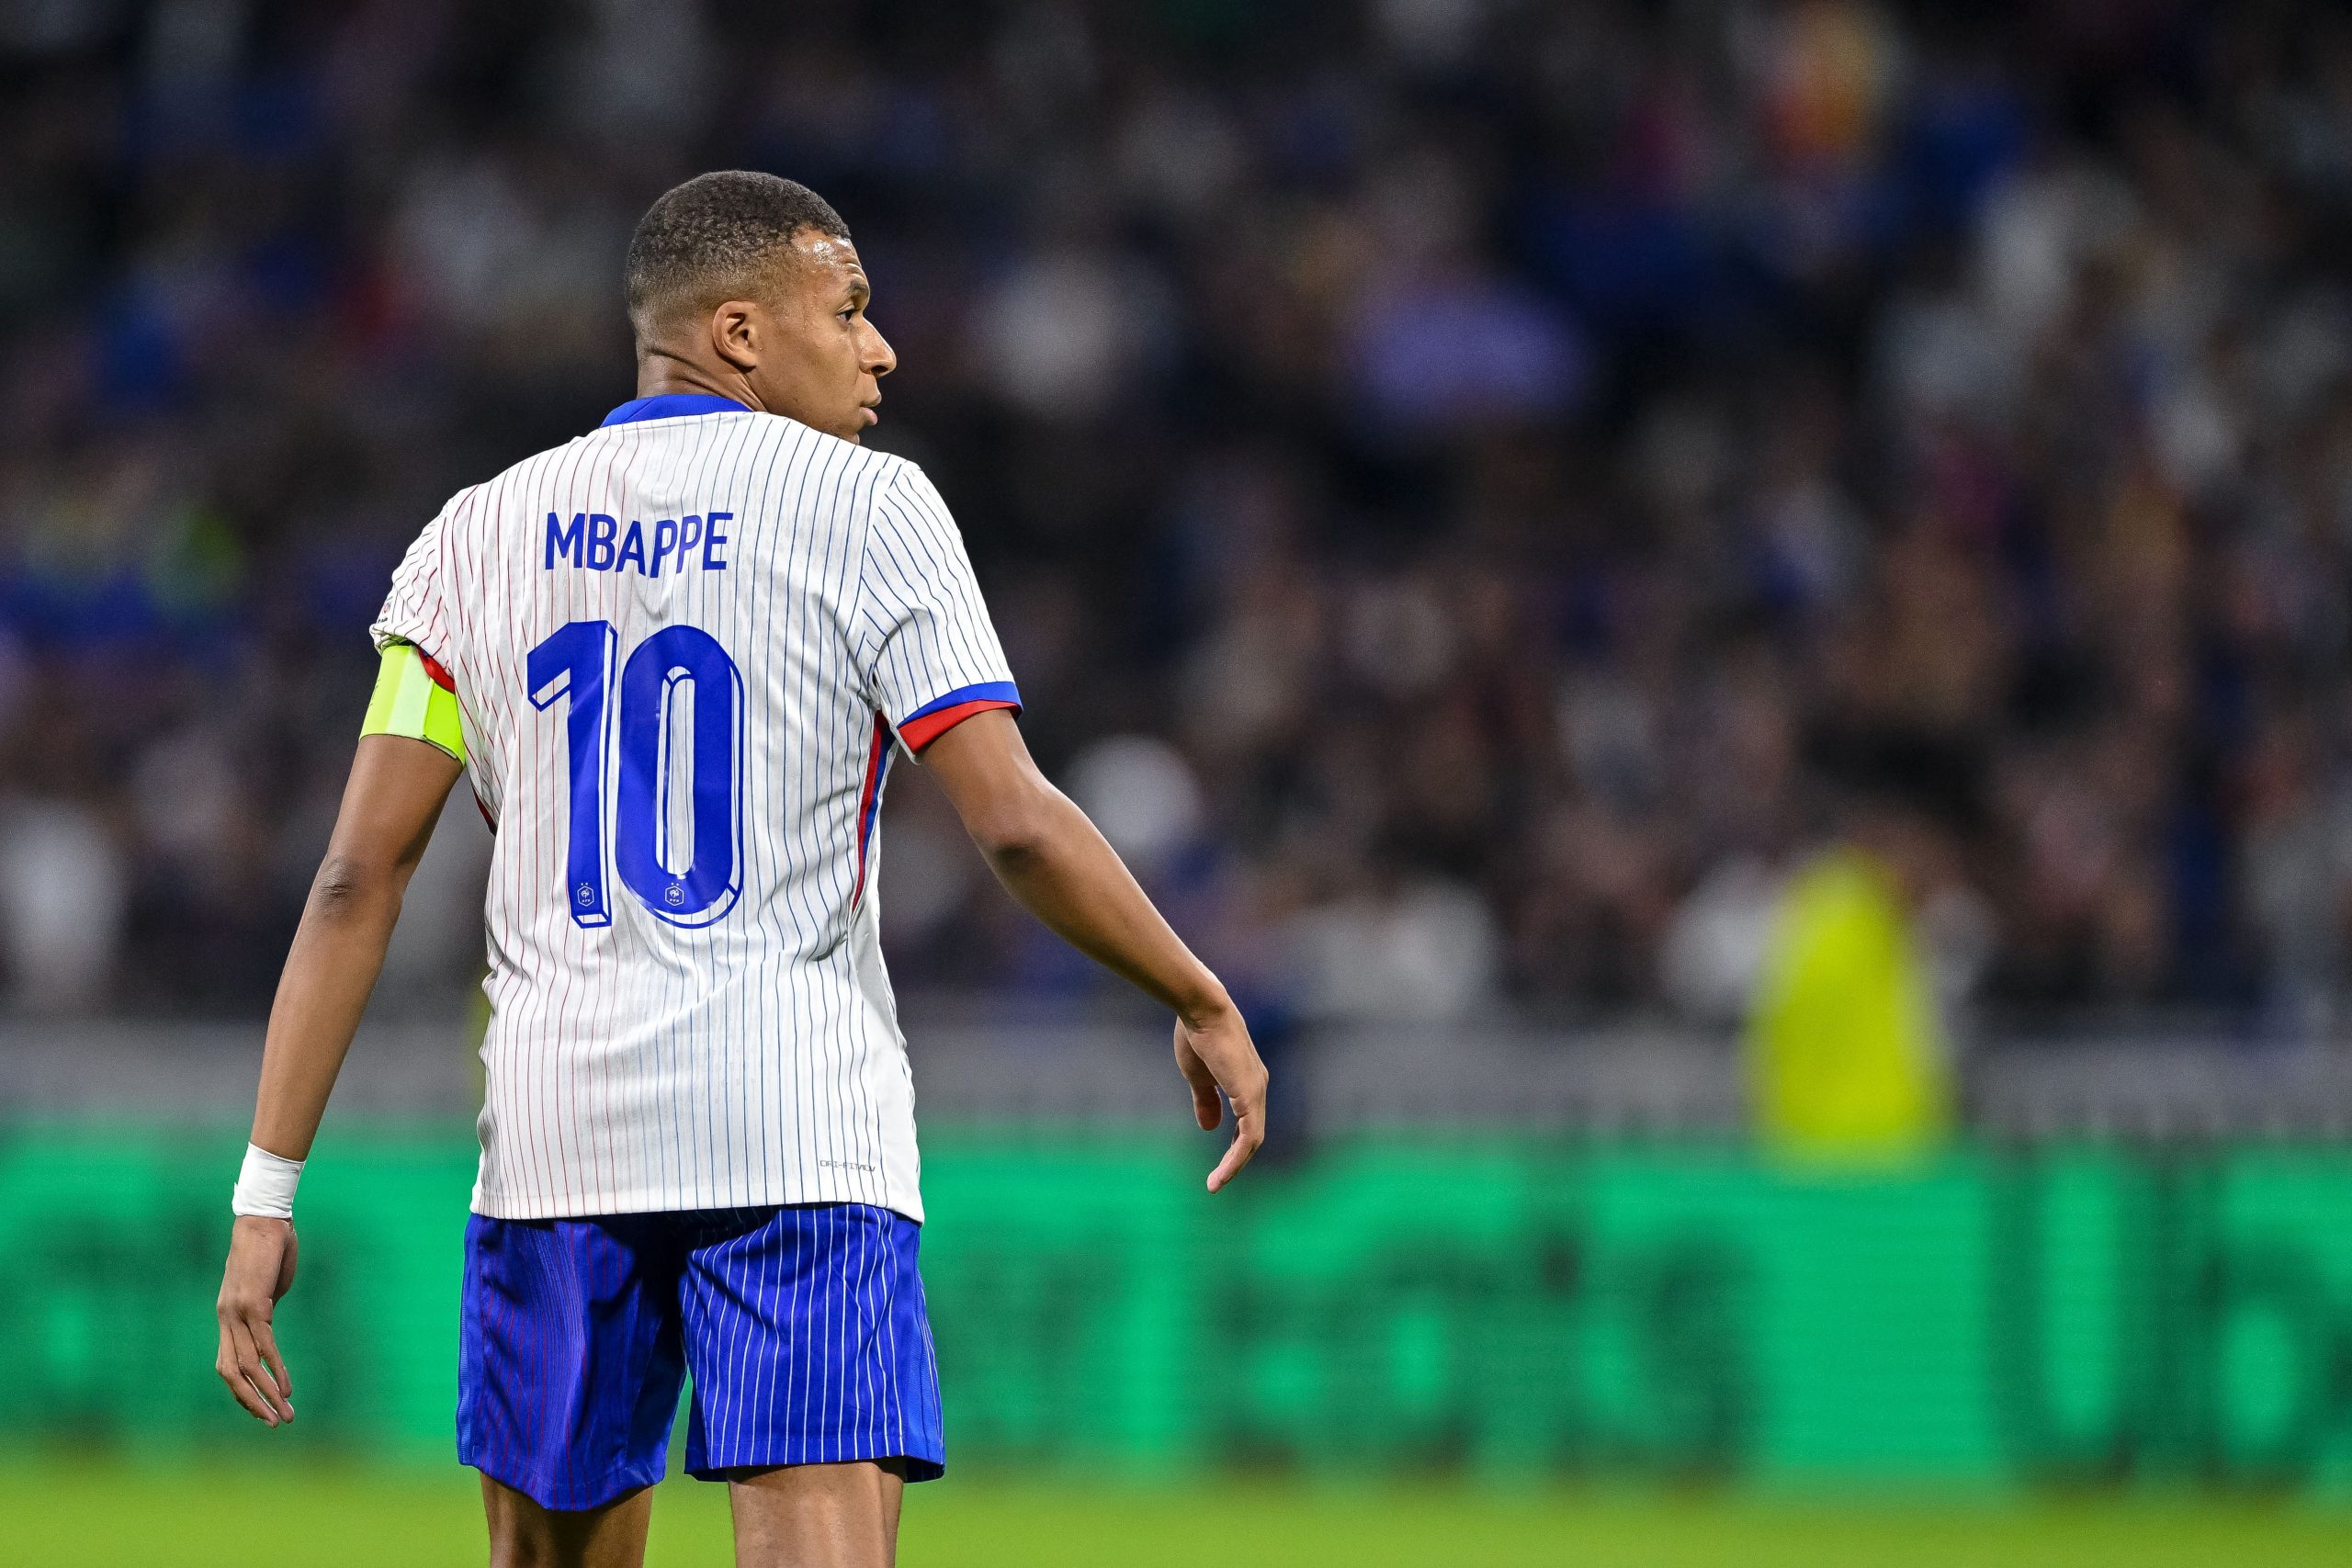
{"x": 394, "y": 796}
{"x": 1052, "y": 859}
{"x": 389, "y": 806}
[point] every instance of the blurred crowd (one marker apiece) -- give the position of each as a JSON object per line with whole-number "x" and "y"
{"x": 1442, "y": 467}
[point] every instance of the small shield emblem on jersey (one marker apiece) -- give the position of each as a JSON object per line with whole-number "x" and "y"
{"x": 675, "y": 893}
{"x": 586, "y": 895}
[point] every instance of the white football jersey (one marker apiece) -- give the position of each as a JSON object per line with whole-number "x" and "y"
{"x": 683, "y": 646}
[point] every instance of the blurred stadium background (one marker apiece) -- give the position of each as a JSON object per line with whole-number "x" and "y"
{"x": 1730, "y": 620}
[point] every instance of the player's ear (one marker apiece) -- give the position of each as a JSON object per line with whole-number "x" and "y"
{"x": 735, "y": 333}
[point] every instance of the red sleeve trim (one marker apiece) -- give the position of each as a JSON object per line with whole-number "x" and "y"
{"x": 441, "y": 677}
{"x": 921, "y": 731}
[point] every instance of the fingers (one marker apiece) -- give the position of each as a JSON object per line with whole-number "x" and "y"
{"x": 240, "y": 1367}
{"x": 265, "y": 1341}
{"x": 1249, "y": 1132}
{"x": 231, "y": 1369}
{"x": 1208, "y": 1110}
{"x": 1239, "y": 1076}
{"x": 224, "y": 1363}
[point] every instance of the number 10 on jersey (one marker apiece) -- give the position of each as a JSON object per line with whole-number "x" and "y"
{"x": 679, "y": 708}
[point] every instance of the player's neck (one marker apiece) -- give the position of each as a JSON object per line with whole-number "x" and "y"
{"x": 659, "y": 374}
{"x": 662, "y": 386}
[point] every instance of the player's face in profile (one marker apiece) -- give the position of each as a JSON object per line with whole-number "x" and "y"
{"x": 826, "y": 368}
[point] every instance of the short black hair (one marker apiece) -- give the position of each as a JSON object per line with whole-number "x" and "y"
{"x": 709, "y": 238}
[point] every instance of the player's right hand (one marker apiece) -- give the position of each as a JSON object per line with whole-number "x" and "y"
{"x": 1214, "y": 1053}
{"x": 260, "y": 1271}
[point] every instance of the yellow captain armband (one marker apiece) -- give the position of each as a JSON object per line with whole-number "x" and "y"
{"x": 414, "y": 697}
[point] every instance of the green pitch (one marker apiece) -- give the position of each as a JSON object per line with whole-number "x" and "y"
{"x": 68, "y": 1516}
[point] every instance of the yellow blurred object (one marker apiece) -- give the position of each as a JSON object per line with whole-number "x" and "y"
{"x": 1846, "y": 1058}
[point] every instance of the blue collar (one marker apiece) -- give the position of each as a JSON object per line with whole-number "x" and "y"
{"x": 673, "y": 405}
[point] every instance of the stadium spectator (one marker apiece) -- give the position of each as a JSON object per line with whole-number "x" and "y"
{"x": 1478, "y": 455}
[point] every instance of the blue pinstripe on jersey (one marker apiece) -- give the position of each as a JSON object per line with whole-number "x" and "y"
{"x": 698, "y": 1147}
{"x": 640, "y": 1066}
{"x": 803, "y": 1329}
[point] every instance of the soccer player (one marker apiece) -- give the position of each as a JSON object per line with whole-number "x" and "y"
{"x": 675, "y": 656}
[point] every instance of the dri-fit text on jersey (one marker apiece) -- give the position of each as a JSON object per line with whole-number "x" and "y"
{"x": 597, "y": 542}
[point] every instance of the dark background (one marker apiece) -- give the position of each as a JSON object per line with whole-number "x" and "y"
{"x": 1441, "y": 470}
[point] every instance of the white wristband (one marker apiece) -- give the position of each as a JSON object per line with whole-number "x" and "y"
{"x": 265, "y": 1186}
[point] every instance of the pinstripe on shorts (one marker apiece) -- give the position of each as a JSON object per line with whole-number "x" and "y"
{"x": 803, "y": 1329}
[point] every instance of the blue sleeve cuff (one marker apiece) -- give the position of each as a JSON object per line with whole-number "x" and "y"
{"x": 942, "y": 714}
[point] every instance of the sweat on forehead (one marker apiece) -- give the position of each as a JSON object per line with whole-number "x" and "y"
{"x": 714, "y": 235}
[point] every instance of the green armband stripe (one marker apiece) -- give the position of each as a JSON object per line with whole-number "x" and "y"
{"x": 409, "y": 702}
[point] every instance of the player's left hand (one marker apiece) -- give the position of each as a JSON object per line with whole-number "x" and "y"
{"x": 260, "y": 1271}
{"x": 1215, "y": 1054}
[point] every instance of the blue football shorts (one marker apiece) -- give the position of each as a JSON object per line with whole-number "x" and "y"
{"x": 803, "y": 1329}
